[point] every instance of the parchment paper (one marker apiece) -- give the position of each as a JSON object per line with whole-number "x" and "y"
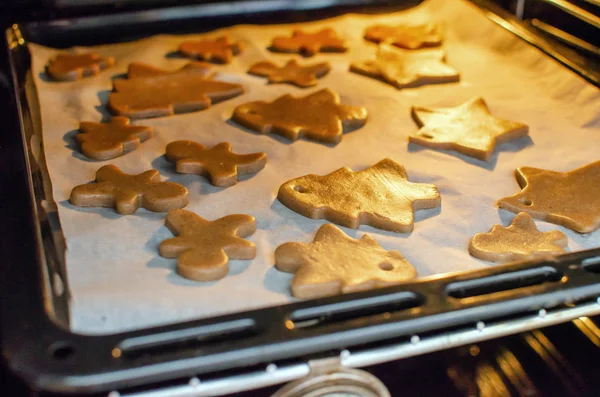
{"x": 119, "y": 282}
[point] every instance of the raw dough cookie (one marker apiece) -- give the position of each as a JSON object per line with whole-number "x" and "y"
{"x": 127, "y": 192}
{"x": 380, "y": 196}
{"x": 219, "y": 50}
{"x": 325, "y": 40}
{"x": 203, "y": 248}
{"x": 469, "y": 129}
{"x": 570, "y": 199}
{"x": 336, "y": 264}
{"x": 218, "y": 163}
{"x": 291, "y": 72}
{"x": 410, "y": 37}
{"x": 70, "y": 67}
{"x": 317, "y": 116}
{"x": 140, "y": 69}
{"x": 103, "y": 141}
{"x": 404, "y": 69}
{"x": 159, "y": 95}
{"x": 520, "y": 241}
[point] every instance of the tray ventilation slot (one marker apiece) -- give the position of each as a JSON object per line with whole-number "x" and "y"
{"x": 503, "y": 282}
{"x": 187, "y": 337}
{"x": 591, "y": 264}
{"x": 356, "y": 308}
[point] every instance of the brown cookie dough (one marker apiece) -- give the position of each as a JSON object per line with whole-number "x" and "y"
{"x": 308, "y": 44}
{"x": 220, "y": 50}
{"x": 291, "y": 72}
{"x": 410, "y": 37}
{"x": 70, "y": 67}
{"x": 140, "y": 69}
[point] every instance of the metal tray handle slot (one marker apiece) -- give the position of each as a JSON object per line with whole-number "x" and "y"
{"x": 591, "y": 264}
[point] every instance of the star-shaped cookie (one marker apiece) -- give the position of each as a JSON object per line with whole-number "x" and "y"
{"x": 308, "y": 44}
{"x": 291, "y": 72}
{"x": 318, "y": 116}
{"x": 127, "y": 193}
{"x": 203, "y": 248}
{"x": 218, "y": 163}
{"x": 469, "y": 129}
{"x": 335, "y": 263}
{"x": 70, "y": 67}
{"x": 380, "y": 196}
{"x": 103, "y": 141}
{"x": 219, "y": 50}
{"x": 140, "y": 69}
{"x": 519, "y": 241}
{"x": 404, "y": 69}
{"x": 570, "y": 199}
{"x": 410, "y": 37}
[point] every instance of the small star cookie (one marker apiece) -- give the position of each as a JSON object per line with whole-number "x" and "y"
{"x": 203, "y": 248}
{"x": 335, "y": 263}
{"x": 70, "y": 67}
{"x": 469, "y": 129}
{"x": 104, "y": 141}
{"x": 405, "y": 69}
{"x": 291, "y": 72}
{"x": 218, "y": 163}
{"x": 410, "y": 37}
{"x": 308, "y": 44}
{"x": 318, "y": 116}
{"x": 219, "y": 50}
{"x": 380, "y": 196}
{"x": 570, "y": 199}
{"x": 520, "y": 241}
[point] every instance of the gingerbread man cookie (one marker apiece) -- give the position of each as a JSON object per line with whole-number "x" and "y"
{"x": 70, "y": 67}
{"x": 335, "y": 263}
{"x": 570, "y": 199}
{"x": 219, "y": 50}
{"x": 140, "y": 69}
{"x": 218, "y": 163}
{"x": 405, "y": 69}
{"x": 203, "y": 248}
{"x": 469, "y": 129}
{"x": 380, "y": 196}
{"x": 520, "y": 241}
{"x": 308, "y": 44}
{"x": 127, "y": 193}
{"x": 291, "y": 72}
{"x": 410, "y": 37}
{"x": 103, "y": 141}
{"x": 318, "y": 116}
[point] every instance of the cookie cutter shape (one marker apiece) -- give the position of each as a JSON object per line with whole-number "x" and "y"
{"x": 318, "y": 116}
{"x": 104, "y": 141}
{"x": 570, "y": 199}
{"x": 140, "y": 69}
{"x": 410, "y": 37}
{"x": 291, "y": 72}
{"x": 380, "y": 196}
{"x": 335, "y": 263}
{"x": 308, "y": 44}
{"x": 71, "y": 67}
{"x": 203, "y": 248}
{"x": 167, "y": 94}
{"x": 406, "y": 69}
{"x": 220, "y": 50}
{"x": 469, "y": 129}
{"x": 519, "y": 241}
{"x": 126, "y": 193}
{"x": 218, "y": 163}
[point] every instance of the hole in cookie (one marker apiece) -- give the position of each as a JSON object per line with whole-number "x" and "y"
{"x": 299, "y": 189}
{"x": 386, "y": 266}
{"x": 426, "y": 135}
{"x": 526, "y": 201}
{"x": 252, "y": 112}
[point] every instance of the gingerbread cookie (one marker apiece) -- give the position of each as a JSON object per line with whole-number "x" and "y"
{"x": 409, "y": 37}
{"x": 127, "y": 193}
{"x": 335, "y": 263}
{"x": 380, "y": 196}
{"x": 520, "y": 241}
{"x": 405, "y": 69}
{"x": 308, "y": 44}
{"x": 219, "y": 50}
{"x": 318, "y": 116}
{"x": 203, "y": 248}
{"x": 570, "y": 199}
{"x": 469, "y": 129}
{"x": 291, "y": 72}
{"x": 103, "y": 141}
{"x": 159, "y": 95}
{"x": 140, "y": 69}
{"x": 218, "y": 163}
{"x": 70, "y": 67}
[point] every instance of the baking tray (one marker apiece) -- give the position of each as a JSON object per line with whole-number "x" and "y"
{"x": 250, "y": 349}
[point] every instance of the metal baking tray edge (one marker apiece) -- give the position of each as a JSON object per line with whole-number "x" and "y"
{"x": 431, "y": 314}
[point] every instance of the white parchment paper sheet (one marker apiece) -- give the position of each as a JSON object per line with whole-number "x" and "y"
{"x": 119, "y": 282}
